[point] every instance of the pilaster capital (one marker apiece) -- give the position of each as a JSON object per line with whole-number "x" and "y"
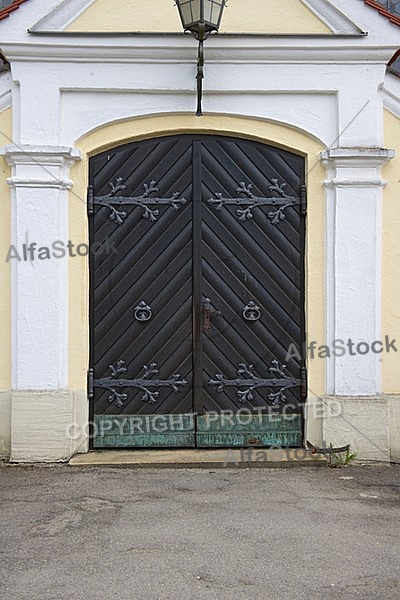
{"x": 355, "y": 167}
{"x": 40, "y": 166}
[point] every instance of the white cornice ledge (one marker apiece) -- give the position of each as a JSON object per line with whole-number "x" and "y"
{"x": 355, "y": 167}
{"x": 180, "y": 48}
{"x": 55, "y": 183}
{"x": 40, "y": 166}
{"x": 357, "y": 157}
{"x": 40, "y": 155}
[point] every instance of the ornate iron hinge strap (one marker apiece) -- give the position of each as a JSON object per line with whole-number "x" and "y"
{"x": 249, "y": 379}
{"x": 144, "y": 201}
{"x": 142, "y": 383}
{"x": 281, "y": 200}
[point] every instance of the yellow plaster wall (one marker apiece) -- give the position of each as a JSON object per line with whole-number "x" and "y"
{"x": 78, "y": 280}
{"x": 5, "y": 241}
{"x": 154, "y": 126}
{"x": 240, "y": 16}
{"x": 391, "y": 256}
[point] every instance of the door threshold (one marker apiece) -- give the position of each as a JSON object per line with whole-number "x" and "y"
{"x": 202, "y": 459}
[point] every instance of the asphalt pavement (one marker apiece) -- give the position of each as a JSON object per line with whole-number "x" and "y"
{"x": 80, "y": 533}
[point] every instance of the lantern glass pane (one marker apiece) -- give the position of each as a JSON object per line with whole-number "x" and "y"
{"x": 196, "y": 12}
{"x": 213, "y": 11}
{"x": 208, "y": 7}
{"x": 189, "y": 11}
{"x": 186, "y": 15}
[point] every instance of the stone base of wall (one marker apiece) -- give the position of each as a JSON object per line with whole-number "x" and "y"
{"x": 42, "y": 425}
{"x": 371, "y": 425}
{"x": 51, "y": 426}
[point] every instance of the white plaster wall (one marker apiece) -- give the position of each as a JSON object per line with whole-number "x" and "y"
{"x": 39, "y": 291}
{"x": 306, "y": 112}
{"x": 353, "y": 270}
{"x": 40, "y": 353}
{"x": 74, "y": 98}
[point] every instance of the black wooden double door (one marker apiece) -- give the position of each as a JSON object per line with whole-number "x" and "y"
{"x": 197, "y": 294}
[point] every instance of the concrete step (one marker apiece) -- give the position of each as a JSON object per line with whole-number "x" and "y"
{"x": 202, "y": 459}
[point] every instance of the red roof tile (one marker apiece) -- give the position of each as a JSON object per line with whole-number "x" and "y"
{"x": 392, "y": 17}
{"x": 7, "y": 11}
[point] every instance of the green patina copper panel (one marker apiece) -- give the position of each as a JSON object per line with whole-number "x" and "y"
{"x": 144, "y": 431}
{"x": 248, "y": 430}
{"x": 211, "y": 430}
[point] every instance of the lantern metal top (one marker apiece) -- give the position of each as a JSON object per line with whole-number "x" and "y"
{"x": 201, "y": 17}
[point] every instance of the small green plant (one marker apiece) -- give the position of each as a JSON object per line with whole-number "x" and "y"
{"x": 341, "y": 459}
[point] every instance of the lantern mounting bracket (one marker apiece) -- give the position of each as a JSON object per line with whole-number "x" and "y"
{"x": 200, "y": 71}
{"x": 200, "y": 18}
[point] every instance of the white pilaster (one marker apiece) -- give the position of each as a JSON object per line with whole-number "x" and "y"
{"x": 39, "y": 193}
{"x": 353, "y": 300}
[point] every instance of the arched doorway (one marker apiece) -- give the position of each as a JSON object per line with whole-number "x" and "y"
{"x": 197, "y": 293}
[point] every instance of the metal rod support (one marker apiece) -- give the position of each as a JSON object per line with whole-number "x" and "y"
{"x": 200, "y": 77}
